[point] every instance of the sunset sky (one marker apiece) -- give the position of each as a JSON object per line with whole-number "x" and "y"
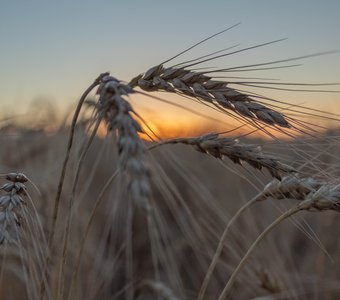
{"x": 52, "y": 50}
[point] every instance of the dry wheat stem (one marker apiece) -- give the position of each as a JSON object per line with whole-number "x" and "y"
{"x": 2, "y": 264}
{"x": 295, "y": 188}
{"x": 71, "y": 204}
{"x": 232, "y": 279}
{"x": 28, "y": 260}
{"x": 38, "y": 251}
{"x": 87, "y": 230}
{"x": 33, "y": 235}
{"x": 219, "y": 147}
{"x": 68, "y": 151}
{"x": 220, "y": 246}
{"x": 188, "y": 224}
{"x": 153, "y": 236}
{"x": 37, "y": 221}
{"x": 26, "y": 273}
{"x": 117, "y": 113}
{"x": 129, "y": 266}
{"x": 62, "y": 177}
{"x": 326, "y": 197}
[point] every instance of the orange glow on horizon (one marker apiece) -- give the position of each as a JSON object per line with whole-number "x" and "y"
{"x": 168, "y": 129}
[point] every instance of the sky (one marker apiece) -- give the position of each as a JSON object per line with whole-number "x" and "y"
{"x": 52, "y": 50}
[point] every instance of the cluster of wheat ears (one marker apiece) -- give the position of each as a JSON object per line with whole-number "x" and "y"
{"x": 52, "y": 263}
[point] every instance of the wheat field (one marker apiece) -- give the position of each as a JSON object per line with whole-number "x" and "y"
{"x": 99, "y": 206}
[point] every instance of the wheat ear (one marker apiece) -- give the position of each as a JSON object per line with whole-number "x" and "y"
{"x": 291, "y": 186}
{"x": 10, "y": 206}
{"x": 118, "y": 115}
{"x": 219, "y": 147}
{"x": 199, "y": 85}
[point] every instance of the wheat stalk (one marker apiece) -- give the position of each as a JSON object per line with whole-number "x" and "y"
{"x": 220, "y": 246}
{"x": 287, "y": 187}
{"x": 218, "y": 147}
{"x": 55, "y": 212}
{"x": 87, "y": 230}
{"x": 326, "y": 197}
{"x": 68, "y": 151}
{"x": 70, "y": 206}
{"x": 117, "y": 113}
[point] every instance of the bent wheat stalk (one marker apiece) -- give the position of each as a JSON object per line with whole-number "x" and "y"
{"x": 288, "y": 187}
{"x": 220, "y": 245}
{"x": 62, "y": 177}
{"x": 70, "y": 208}
{"x": 231, "y": 280}
{"x": 68, "y": 151}
{"x": 327, "y": 197}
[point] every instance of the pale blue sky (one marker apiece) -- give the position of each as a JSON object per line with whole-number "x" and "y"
{"x": 54, "y": 49}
